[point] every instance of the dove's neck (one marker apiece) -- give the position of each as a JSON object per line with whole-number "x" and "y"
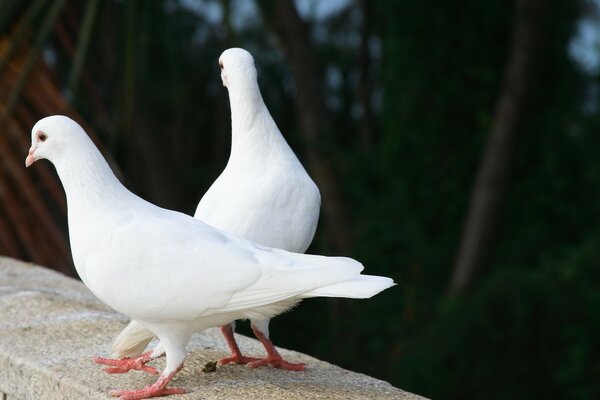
{"x": 88, "y": 180}
{"x": 94, "y": 197}
{"x": 252, "y": 127}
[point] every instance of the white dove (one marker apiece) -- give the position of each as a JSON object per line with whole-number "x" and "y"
{"x": 264, "y": 195}
{"x": 170, "y": 272}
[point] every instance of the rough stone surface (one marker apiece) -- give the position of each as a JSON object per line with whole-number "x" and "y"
{"x": 51, "y": 327}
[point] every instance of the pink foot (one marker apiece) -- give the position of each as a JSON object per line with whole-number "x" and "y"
{"x": 273, "y": 357}
{"x": 277, "y": 362}
{"x": 120, "y": 366}
{"x": 237, "y": 358}
{"x": 236, "y": 355}
{"x": 146, "y": 393}
{"x": 157, "y": 389}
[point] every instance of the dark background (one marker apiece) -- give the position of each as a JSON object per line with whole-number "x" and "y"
{"x": 455, "y": 144}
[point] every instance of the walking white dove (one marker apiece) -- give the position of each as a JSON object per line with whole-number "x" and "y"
{"x": 172, "y": 273}
{"x": 264, "y": 195}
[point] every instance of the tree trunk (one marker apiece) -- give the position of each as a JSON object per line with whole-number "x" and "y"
{"x": 491, "y": 181}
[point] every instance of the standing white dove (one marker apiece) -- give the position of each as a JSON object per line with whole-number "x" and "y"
{"x": 170, "y": 272}
{"x": 264, "y": 195}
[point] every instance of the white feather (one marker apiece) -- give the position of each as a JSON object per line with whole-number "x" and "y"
{"x": 361, "y": 287}
{"x": 132, "y": 341}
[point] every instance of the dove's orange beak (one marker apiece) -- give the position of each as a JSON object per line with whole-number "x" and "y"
{"x": 30, "y": 158}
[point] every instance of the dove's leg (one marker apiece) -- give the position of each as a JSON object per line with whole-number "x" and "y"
{"x": 236, "y": 354}
{"x": 175, "y": 350}
{"x": 261, "y": 331}
{"x": 126, "y": 364}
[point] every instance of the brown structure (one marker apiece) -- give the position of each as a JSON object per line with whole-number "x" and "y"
{"x": 33, "y": 208}
{"x": 33, "y": 224}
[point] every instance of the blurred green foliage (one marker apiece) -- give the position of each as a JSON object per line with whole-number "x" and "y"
{"x": 525, "y": 333}
{"x": 529, "y": 329}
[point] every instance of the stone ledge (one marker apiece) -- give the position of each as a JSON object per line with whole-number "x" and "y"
{"x": 51, "y": 326}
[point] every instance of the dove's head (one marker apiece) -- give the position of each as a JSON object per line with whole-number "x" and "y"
{"x": 52, "y": 136}
{"x": 237, "y": 68}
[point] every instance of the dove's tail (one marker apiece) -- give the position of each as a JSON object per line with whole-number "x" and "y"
{"x": 360, "y": 287}
{"x": 132, "y": 341}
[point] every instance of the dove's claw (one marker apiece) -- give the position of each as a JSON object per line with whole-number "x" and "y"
{"x": 237, "y": 358}
{"x": 277, "y": 362}
{"x": 107, "y": 361}
{"x": 122, "y": 370}
{"x": 157, "y": 389}
{"x": 150, "y": 370}
{"x": 122, "y": 365}
{"x": 273, "y": 357}
{"x": 146, "y": 393}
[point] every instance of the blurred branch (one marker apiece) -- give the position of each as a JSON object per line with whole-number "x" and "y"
{"x": 15, "y": 214}
{"x": 365, "y": 85}
{"x": 85, "y": 34}
{"x": 23, "y": 27}
{"x": 491, "y": 181}
{"x": 7, "y": 8}
{"x": 8, "y": 239}
{"x": 152, "y": 151}
{"x": 32, "y": 57}
{"x": 229, "y": 34}
{"x": 129, "y": 69}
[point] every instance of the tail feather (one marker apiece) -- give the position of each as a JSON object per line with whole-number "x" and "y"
{"x": 361, "y": 287}
{"x": 132, "y": 341}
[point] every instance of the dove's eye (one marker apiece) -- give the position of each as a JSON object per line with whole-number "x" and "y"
{"x": 42, "y": 136}
{"x": 221, "y": 64}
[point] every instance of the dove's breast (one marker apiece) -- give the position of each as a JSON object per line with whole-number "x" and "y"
{"x": 276, "y": 205}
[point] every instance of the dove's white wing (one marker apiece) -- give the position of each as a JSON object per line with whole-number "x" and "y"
{"x": 208, "y": 271}
{"x": 190, "y": 265}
